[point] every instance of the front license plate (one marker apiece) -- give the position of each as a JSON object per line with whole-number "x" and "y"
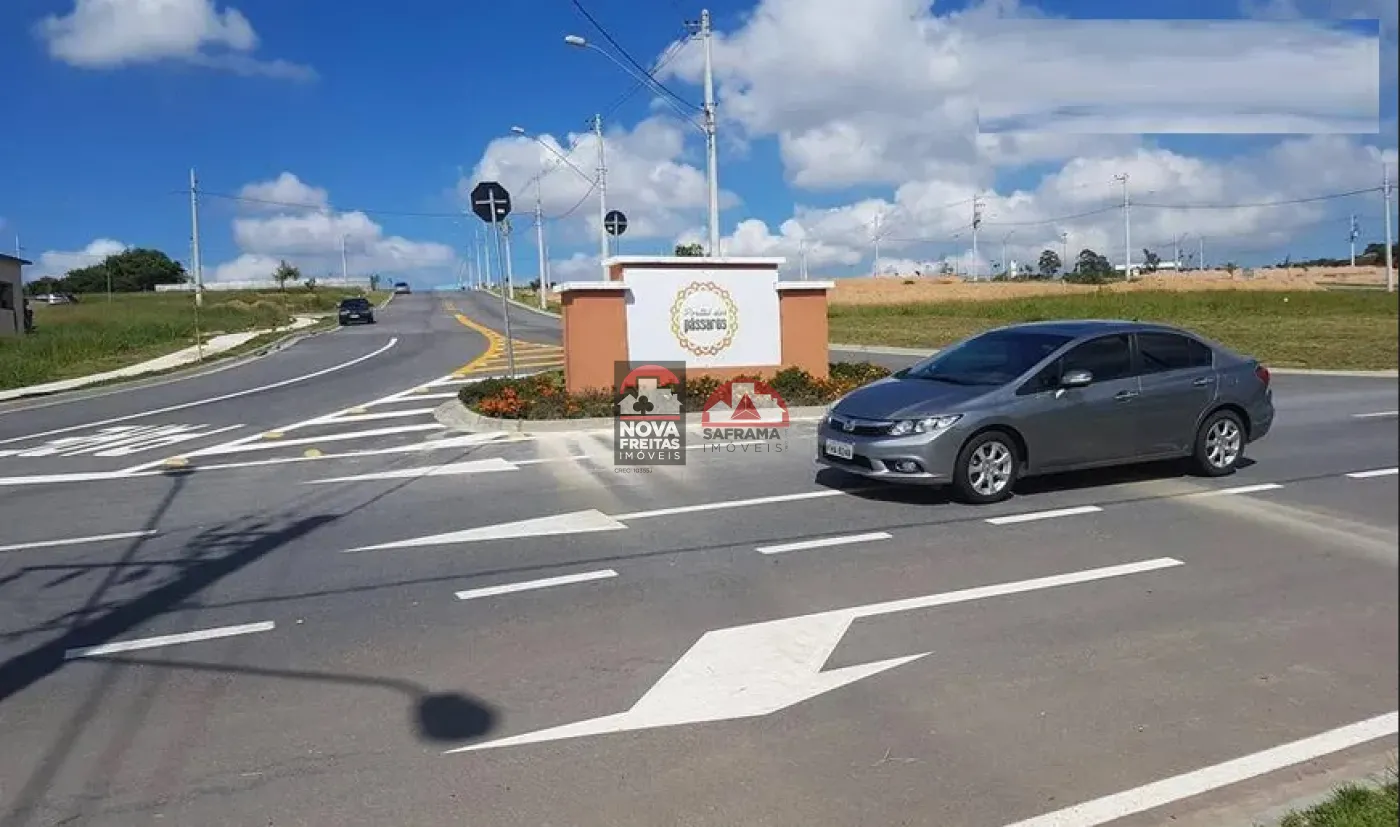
{"x": 840, "y": 450}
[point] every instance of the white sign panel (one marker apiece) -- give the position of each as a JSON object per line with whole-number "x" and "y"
{"x": 705, "y": 318}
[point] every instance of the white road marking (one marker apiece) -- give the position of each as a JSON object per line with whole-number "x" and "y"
{"x": 528, "y": 585}
{"x": 40, "y": 479}
{"x": 169, "y": 640}
{"x": 575, "y": 522}
{"x": 366, "y": 417}
{"x": 824, "y": 542}
{"x": 1239, "y": 489}
{"x": 196, "y": 403}
{"x": 119, "y": 441}
{"x": 412, "y": 398}
{"x": 463, "y": 441}
{"x": 761, "y": 668}
{"x": 476, "y": 466}
{"x": 1169, "y": 790}
{"x": 1376, "y": 414}
{"x": 722, "y": 504}
{"x": 1379, "y": 472}
{"x": 241, "y": 446}
{"x": 73, "y": 541}
{"x": 1032, "y": 516}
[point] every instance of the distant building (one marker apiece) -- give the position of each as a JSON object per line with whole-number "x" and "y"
{"x": 11, "y": 295}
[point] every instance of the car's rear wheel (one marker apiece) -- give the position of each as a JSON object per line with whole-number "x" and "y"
{"x": 987, "y": 468}
{"x": 1219, "y": 444}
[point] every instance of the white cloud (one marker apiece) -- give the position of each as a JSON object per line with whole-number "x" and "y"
{"x": 103, "y": 34}
{"x": 885, "y": 91}
{"x": 286, "y": 190}
{"x": 648, "y": 179}
{"x": 58, "y": 263}
{"x": 311, "y": 237}
{"x": 933, "y": 218}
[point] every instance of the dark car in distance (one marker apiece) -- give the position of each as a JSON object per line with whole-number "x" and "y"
{"x": 1046, "y": 397}
{"x": 356, "y": 310}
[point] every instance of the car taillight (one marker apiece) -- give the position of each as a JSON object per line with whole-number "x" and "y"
{"x": 1263, "y": 374}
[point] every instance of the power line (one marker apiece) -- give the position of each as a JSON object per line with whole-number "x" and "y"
{"x": 1283, "y": 203}
{"x": 626, "y": 55}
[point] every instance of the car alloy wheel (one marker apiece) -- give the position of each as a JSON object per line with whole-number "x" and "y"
{"x": 1219, "y": 444}
{"x": 987, "y": 469}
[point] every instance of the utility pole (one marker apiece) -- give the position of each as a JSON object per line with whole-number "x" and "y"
{"x": 1389, "y": 243}
{"x": 1352, "y": 239}
{"x": 802, "y": 256}
{"x": 1127, "y": 230}
{"x": 1201, "y": 252}
{"x": 875, "y": 236}
{"x": 1064, "y": 252}
{"x": 344, "y": 263}
{"x": 976, "y": 223}
{"x": 509, "y": 267}
{"x": 539, "y": 245}
{"x": 711, "y": 141}
{"x": 196, "y": 264}
{"x": 602, "y": 195}
{"x": 1005, "y": 262}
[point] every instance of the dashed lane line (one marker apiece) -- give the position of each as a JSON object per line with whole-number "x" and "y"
{"x": 825, "y": 542}
{"x": 74, "y": 541}
{"x": 169, "y": 640}
{"x": 530, "y": 585}
{"x": 1377, "y": 472}
{"x": 1054, "y": 513}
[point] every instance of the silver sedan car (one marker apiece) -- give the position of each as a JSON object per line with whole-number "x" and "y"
{"x": 1047, "y": 397}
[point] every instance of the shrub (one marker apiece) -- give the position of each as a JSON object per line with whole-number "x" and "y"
{"x": 543, "y": 396}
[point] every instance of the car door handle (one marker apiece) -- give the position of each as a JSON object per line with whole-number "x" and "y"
{"x": 1124, "y": 396}
{"x": 1203, "y": 381}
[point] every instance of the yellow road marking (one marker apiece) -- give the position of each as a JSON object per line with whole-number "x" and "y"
{"x": 311, "y": 453}
{"x": 176, "y": 462}
{"x": 528, "y": 354}
{"x": 272, "y": 435}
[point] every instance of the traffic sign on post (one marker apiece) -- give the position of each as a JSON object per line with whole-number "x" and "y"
{"x": 615, "y": 223}
{"x": 490, "y": 201}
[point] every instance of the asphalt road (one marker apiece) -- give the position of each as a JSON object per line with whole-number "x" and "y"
{"x": 1093, "y": 635}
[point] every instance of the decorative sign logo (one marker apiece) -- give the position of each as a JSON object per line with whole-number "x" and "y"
{"x": 704, "y": 318}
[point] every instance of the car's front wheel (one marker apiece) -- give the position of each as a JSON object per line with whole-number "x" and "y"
{"x": 987, "y": 468}
{"x": 1219, "y": 444}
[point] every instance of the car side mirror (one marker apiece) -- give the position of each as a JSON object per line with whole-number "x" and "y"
{"x": 1076, "y": 379}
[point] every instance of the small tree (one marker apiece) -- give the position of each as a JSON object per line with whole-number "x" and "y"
{"x": 692, "y": 250}
{"x": 285, "y": 273}
{"x": 1151, "y": 262}
{"x": 311, "y": 284}
{"x": 1231, "y": 267}
{"x": 1049, "y": 264}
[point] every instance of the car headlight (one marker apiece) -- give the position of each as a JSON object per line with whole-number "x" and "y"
{"x": 926, "y": 425}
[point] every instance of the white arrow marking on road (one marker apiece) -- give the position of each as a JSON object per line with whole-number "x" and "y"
{"x": 574, "y": 522}
{"x": 760, "y": 668}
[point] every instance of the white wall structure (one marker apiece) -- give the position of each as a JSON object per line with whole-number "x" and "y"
{"x": 706, "y": 318}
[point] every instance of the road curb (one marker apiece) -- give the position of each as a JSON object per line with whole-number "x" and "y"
{"x": 458, "y": 417}
{"x": 524, "y": 306}
{"x": 884, "y": 350}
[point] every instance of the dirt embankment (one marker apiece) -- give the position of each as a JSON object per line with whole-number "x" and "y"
{"x": 901, "y": 289}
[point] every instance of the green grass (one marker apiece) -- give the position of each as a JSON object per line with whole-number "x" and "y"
{"x": 1325, "y": 329}
{"x": 1351, "y": 806}
{"x": 525, "y": 295}
{"x": 95, "y": 335}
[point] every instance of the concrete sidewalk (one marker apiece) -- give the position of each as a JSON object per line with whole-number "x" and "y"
{"x": 180, "y": 358}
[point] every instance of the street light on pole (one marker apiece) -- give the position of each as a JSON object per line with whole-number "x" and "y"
{"x": 707, "y": 126}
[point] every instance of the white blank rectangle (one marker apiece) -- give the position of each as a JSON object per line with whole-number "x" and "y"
{"x": 1160, "y": 793}
{"x": 1379, "y": 472}
{"x": 170, "y": 640}
{"x": 1043, "y": 515}
{"x": 824, "y": 542}
{"x": 528, "y": 585}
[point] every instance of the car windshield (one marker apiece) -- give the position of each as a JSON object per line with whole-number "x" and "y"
{"x": 990, "y": 359}
{"x": 355, "y": 304}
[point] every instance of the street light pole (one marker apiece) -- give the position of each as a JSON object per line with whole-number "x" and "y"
{"x": 711, "y": 140}
{"x": 1127, "y": 230}
{"x": 602, "y": 195}
{"x": 539, "y": 246}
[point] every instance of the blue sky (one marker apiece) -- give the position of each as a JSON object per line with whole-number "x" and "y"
{"x": 383, "y": 107}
